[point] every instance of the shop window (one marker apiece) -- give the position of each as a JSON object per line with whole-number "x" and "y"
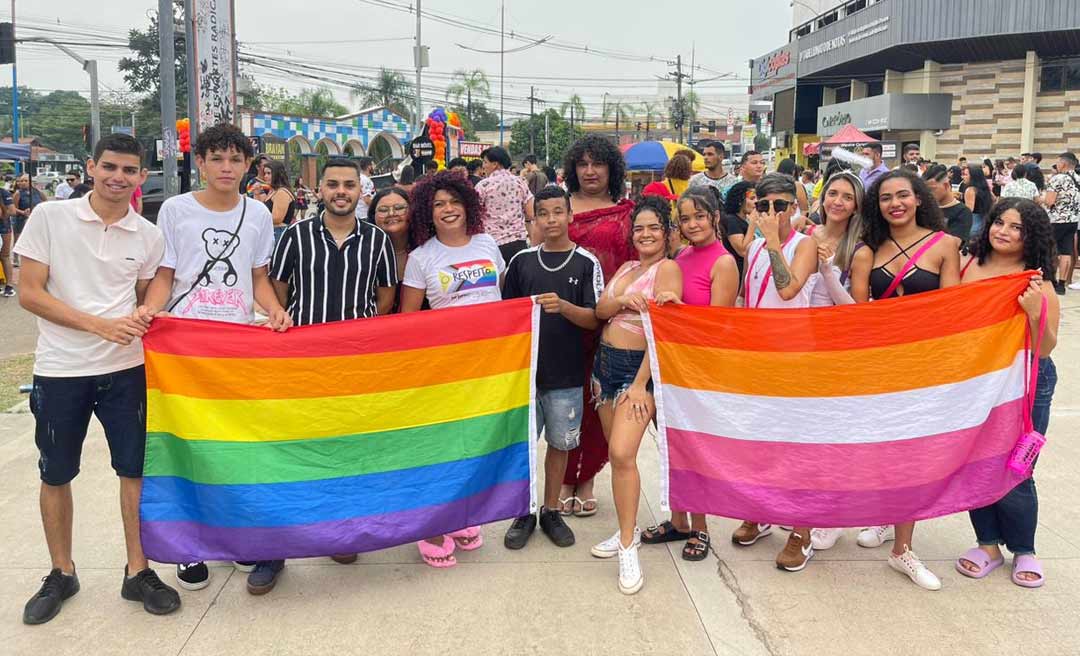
{"x": 828, "y": 19}
{"x": 875, "y": 88}
{"x": 843, "y": 94}
{"x": 1060, "y": 77}
{"x": 853, "y": 7}
{"x": 803, "y": 31}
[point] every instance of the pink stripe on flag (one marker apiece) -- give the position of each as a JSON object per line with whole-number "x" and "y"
{"x": 844, "y": 467}
{"x": 974, "y": 485}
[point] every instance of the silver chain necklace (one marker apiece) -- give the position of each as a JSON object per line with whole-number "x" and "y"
{"x": 540, "y": 249}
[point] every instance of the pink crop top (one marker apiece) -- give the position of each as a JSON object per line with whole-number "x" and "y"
{"x": 630, "y": 320}
{"x": 696, "y": 265}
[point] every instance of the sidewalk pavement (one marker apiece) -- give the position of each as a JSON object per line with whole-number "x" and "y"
{"x": 545, "y": 600}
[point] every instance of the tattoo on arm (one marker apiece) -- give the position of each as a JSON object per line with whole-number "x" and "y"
{"x": 780, "y": 273}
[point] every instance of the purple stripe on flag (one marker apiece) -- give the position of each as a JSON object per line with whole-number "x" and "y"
{"x": 185, "y": 542}
{"x": 973, "y": 485}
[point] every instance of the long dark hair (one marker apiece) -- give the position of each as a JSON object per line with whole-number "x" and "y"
{"x": 600, "y": 150}
{"x": 279, "y": 177}
{"x": 422, "y": 216}
{"x": 927, "y": 214}
{"x": 1040, "y": 251}
{"x": 978, "y": 182}
{"x": 736, "y": 196}
{"x": 704, "y": 200}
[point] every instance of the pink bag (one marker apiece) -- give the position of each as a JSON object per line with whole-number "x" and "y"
{"x": 1022, "y": 458}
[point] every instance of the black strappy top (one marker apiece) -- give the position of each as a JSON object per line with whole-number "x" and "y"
{"x": 915, "y": 282}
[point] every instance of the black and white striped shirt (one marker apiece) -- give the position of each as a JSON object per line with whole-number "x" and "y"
{"x": 327, "y": 283}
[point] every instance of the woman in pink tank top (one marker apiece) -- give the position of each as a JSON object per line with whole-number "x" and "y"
{"x": 710, "y": 277}
{"x": 622, "y": 378}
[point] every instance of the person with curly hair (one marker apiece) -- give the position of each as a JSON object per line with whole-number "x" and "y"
{"x": 622, "y": 378}
{"x": 677, "y": 174}
{"x": 1017, "y": 237}
{"x": 454, "y": 264}
{"x": 910, "y": 253}
{"x": 595, "y": 175}
{"x": 738, "y": 204}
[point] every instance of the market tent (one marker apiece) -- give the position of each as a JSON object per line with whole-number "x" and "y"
{"x": 14, "y": 151}
{"x": 849, "y": 134}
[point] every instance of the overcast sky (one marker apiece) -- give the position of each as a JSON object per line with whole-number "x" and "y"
{"x": 720, "y": 35}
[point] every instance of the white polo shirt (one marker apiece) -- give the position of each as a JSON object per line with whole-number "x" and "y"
{"x": 92, "y": 268}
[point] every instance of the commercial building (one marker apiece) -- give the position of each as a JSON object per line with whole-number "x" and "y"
{"x": 979, "y": 78}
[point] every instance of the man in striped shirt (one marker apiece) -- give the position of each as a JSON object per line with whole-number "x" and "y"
{"x": 335, "y": 267}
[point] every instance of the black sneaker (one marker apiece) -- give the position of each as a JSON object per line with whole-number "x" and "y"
{"x": 55, "y": 588}
{"x": 264, "y": 577}
{"x": 157, "y": 598}
{"x": 193, "y": 576}
{"x": 552, "y": 524}
{"x": 517, "y": 536}
{"x": 9, "y": 291}
{"x": 1059, "y": 287}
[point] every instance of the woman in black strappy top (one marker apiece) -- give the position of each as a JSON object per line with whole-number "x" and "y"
{"x": 903, "y": 226}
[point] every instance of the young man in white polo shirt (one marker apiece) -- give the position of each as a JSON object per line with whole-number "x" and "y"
{"x": 218, "y": 246}
{"x": 86, "y": 263}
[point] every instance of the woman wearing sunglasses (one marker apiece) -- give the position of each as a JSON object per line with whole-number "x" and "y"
{"x": 909, "y": 253}
{"x": 779, "y": 266}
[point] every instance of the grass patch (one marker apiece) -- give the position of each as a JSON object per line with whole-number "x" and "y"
{"x": 14, "y": 371}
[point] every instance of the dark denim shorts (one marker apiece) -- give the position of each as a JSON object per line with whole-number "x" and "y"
{"x": 62, "y": 409}
{"x": 614, "y": 370}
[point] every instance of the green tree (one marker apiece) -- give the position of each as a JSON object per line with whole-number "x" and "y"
{"x": 562, "y": 135}
{"x": 762, "y": 143}
{"x": 483, "y": 120}
{"x": 142, "y": 70}
{"x": 389, "y": 89}
{"x": 309, "y": 102}
{"x": 468, "y": 84}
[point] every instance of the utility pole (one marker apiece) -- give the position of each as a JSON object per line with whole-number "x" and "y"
{"x": 547, "y": 139}
{"x": 90, "y": 66}
{"x": 192, "y": 98}
{"x": 419, "y": 56}
{"x": 532, "y": 133}
{"x": 167, "y": 69}
{"x": 502, "y": 69}
{"x": 678, "y": 95}
{"x": 14, "y": 92}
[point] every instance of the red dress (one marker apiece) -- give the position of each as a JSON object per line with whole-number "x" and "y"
{"x": 606, "y": 234}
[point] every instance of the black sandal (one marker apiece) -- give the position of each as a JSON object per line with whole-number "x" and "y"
{"x": 696, "y": 551}
{"x": 664, "y": 532}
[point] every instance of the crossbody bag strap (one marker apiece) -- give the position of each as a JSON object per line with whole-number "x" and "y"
{"x": 909, "y": 264}
{"x": 1032, "y": 378}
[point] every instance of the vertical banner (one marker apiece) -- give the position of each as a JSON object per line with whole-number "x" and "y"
{"x": 730, "y": 122}
{"x": 215, "y": 62}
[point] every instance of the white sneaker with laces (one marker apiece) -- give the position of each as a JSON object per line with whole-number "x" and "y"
{"x": 609, "y": 548}
{"x": 909, "y": 564}
{"x": 631, "y": 577}
{"x": 875, "y": 536}
{"x": 825, "y": 538}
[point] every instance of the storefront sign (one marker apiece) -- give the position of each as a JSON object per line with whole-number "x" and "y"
{"x": 215, "y": 65}
{"x": 273, "y": 147}
{"x": 422, "y": 148}
{"x": 772, "y": 73}
{"x": 855, "y": 35}
{"x": 472, "y": 149}
{"x": 890, "y": 111}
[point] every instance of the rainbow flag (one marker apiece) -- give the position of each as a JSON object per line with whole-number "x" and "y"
{"x": 898, "y": 410}
{"x": 338, "y": 438}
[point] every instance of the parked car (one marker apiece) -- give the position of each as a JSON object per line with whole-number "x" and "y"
{"x": 153, "y": 195}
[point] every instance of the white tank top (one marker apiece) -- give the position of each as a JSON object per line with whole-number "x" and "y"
{"x": 760, "y": 290}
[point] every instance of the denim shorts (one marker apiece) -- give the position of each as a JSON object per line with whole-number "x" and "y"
{"x": 5, "y": 226}
{"x": 62, "y": 409}
{"x": 614, "y": 370}
{"x": 18, "y": 223}
{"x": 558, "y": 415}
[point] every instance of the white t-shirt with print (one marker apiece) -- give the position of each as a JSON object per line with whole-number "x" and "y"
{"x": 457, "y": 275}
{"x": 367, "y": 188}
{"x": 213, "y": 255}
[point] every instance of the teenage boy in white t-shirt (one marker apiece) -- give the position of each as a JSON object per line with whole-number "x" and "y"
{"x": 218, "y": 245}
{"x": 85, "y": 264}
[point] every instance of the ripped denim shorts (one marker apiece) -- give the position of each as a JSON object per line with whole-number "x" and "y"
{"x": 614, "y": 370}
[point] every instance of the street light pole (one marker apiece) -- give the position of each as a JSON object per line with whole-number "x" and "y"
{"x": 167, "y": 69}
{"x": 502, "y": 70}
{"x": 14, "y": 94}
{"x": 419, "y": 56}
{"x": 90, "y": 66}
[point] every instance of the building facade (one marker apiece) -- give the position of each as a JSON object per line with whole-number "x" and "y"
{"x": 978, "y": 78}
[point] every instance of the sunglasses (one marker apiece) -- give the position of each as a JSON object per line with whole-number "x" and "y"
{"x": 778, "y": 205}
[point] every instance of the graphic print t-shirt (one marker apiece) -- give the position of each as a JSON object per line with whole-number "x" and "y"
{"x": 213, "y": 255}
{"x": 456, "y": 275}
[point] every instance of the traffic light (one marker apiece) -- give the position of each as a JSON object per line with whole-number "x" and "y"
{"x": 183, "y": 134}
{"x": 7, "y": 43}
{"x": 712, "y": 125}
{"x": 695, "y": 127}
{"x": 639, "y": 126}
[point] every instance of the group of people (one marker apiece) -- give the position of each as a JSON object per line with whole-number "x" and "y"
{"x": 591, "y": 258}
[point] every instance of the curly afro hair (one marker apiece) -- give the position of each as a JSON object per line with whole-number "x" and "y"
{"x": 658, "y": 206}
{"x": 422, "y": 220}
{"x": 1040, "y": 250}
{"x": 927, "y": 214}
{"x": 736, "y": 196}
{"x": 599, "y": 150}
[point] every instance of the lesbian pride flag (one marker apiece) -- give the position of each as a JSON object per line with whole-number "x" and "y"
{"x": 898, "y": 410}
{"x": 338, "y": 438}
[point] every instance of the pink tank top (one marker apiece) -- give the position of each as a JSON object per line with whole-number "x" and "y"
{"x": 696, "y": 265}
{"x": 630, "y": 320}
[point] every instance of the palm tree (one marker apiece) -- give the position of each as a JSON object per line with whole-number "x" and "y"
{"x": 576, "y": 107}
{"x": 691, "y": 105}
{"x": 474, "y": 81}
{"x": 653, "y": 109}
{"x": 389, "y": 89}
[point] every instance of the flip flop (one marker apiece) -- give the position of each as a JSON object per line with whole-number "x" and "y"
{"x": 586, "y": 512}
{"x": 1029, "y": 564}
{"x": 468, "y": 539}
{"x": 980, "y": 559}
{"x": 566, "y": 506}
{"x": 440, "y": 557}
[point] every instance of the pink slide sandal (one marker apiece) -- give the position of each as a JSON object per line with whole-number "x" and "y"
{"x": 1031, "y": 565}
{"x": 978, "y": 557}
{"x": 436, "y": 556}
{"x": 468, "y": 539}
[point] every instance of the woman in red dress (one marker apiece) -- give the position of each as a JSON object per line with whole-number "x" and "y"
{"x": 595, "y": 174}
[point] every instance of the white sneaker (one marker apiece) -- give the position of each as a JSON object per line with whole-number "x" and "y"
{"x": 910, "y": 564}
{"x": 631, "y": 577}
{"x": 1075, "y": 286}
{"x": 609, "y": 548}
{"x": 875, "y": 536}
{"x": 825, "y": 538}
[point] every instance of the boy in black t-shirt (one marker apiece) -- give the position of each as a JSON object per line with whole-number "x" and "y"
{"x": 567, "y": 281}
